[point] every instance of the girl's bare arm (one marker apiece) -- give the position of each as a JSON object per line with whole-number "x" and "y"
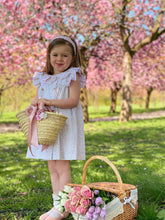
{"x": 70, "y": 102}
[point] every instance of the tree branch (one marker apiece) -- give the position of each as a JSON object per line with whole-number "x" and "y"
{"x": 124, "y": 35}
{"x": 155, "y": 32}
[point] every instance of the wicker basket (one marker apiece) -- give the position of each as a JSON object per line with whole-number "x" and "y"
{"x": 121, "y": 190}
{"x": 47, "y": 129}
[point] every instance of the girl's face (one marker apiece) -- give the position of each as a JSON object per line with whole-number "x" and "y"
{"x": 61, "y": 58}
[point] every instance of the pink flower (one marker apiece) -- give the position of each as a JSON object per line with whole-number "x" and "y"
{"x": 75, "y": 200}
{"x": 81, "y": 210}
{"x": 68, "y": 205}
{"x": 77, "y": 188}
{"x": 86, "y": 192}
{"x": 85, "y": 202}
{"x": 73, "y": 208}
{"x": 38, "y": 118}
{"x": 71, "y": 194}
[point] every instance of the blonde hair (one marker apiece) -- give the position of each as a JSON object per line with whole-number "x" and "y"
{"x": 60, "y": 41}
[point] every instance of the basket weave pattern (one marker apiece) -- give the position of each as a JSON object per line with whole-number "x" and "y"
{"x": 47, "y": 129}
{"x": 121, "y": 190}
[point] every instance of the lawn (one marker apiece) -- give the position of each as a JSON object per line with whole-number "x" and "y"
{"x": 136, "y": 148}
{"x": 100, "y": 111}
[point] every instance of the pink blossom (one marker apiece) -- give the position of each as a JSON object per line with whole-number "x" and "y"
{"x": 81, "y": 210}
{"x": 77, "y": 188}
{"x": 71, "y": 194}
{"x": 75, "y": 200}
{"x": 85, "y": 202}
{"x": 38, "y": 118}
{"x": 73, "y": 208}
{"x": 86, "y": 192}
{"x": 68, "y": 205}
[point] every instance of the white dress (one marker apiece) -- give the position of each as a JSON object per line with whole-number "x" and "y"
{"x": 70, "y": 143}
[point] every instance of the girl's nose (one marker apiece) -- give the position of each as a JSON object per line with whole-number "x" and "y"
{"x": 59, "y": 57}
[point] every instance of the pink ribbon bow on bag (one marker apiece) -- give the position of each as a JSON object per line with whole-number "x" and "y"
{"x": 32, "y": 129}
{"x": 31, "y": 112}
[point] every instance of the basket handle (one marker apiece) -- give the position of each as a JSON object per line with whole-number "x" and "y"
{"x": 110, "y": 164}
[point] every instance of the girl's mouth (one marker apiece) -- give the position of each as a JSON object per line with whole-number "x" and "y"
{"x": 59, "y": 64}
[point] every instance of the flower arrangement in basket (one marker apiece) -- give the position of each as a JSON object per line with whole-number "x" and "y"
{"x": 46, "y": 125}
{"x": 83, "y": 201}
{"x": 101, "y": 200}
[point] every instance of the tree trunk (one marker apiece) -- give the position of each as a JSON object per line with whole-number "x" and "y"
{"x": 1, "y": 91}
{"x": 83, "y": 94}
{"x": 114, "y": 97}
{"x": 149, "y": 91}
{"x": 126, "y": 105}
{"x": 84, "y": 103}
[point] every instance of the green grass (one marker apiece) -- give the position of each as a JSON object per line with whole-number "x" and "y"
{"x": 8, "y": 117}
{"x": 103, "y": 111}
{"x": 136, "y": 148}
{"x": 99, "y": 112}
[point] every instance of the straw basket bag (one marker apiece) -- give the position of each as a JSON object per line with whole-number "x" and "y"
{"x": 124, "y": 206}
{"x": 47, "y": 129}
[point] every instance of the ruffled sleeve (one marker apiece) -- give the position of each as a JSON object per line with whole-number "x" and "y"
{"x": 37, "y": 78}
{"x": 72, "y": 76}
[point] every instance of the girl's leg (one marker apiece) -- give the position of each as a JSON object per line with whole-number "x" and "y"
{"x": 59, "y": 175}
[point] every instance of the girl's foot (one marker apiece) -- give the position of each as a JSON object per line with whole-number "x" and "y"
{"x": 53, "y": 214}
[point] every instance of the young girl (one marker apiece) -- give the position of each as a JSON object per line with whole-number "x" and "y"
{"x": 59, "y": 90}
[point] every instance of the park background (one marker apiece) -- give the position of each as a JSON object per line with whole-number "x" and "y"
{"x": 123, "y": 52}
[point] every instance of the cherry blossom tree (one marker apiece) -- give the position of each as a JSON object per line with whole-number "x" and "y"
{"x": 149, "y": 69}
{"x": 105, "y": 70}
{"x": 138, "y": 23}
{"x": 135, "y": 25}
{"x": 26, "y": 27}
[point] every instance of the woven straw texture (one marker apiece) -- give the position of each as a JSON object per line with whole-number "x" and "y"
{"x": 47, "y": 129}
{"x": 120, "y": 189}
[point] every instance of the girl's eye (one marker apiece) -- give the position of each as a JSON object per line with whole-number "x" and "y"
{"x": 65, "y": 55}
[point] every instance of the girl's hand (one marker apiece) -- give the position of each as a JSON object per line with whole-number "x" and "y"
{"x": 41, "y": 103}
{"x": 34, "y": 102}
{"x": 47, "y": 108}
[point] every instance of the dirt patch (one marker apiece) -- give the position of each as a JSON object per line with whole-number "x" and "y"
{"x": 9, "y": 127}
{"x": 14, "y": 127}
{"x": 140, "y": 116}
